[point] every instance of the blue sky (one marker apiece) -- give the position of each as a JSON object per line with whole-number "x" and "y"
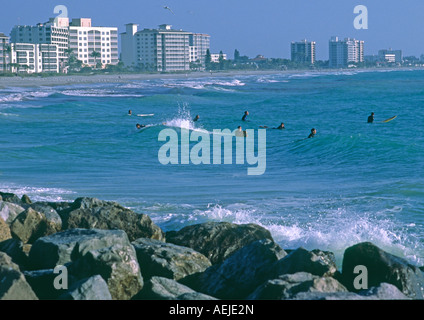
{"x": 252, "y": 26}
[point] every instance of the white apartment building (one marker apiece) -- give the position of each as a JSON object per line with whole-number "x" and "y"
{"x": 390, "y": 56}
{"x": 343, "y": 52}
{"x": 215, "y": 57}
{"x": 303, "y": 51}
{"x": 84, "y": 39}
{"x": 199, "y": 45}
{"x": 163, "y": 49}
{"x": 4, "y": 54}
{"x": 34, "y": 58}
{"x": 55, "y": 31}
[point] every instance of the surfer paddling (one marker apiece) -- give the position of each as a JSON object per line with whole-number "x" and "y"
{"x": 313, "y": 133}
{"x": 371, "y": 118}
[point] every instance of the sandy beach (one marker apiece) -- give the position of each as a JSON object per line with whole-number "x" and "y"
{"x": 61, "y": 80}
{"x": 18, "y": 81}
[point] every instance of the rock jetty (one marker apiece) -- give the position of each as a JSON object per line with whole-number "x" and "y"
{"x": 91, "y": 249}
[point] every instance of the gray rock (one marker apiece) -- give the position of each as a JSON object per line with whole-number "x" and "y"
{"x": 157, "y": 258}
{"x": 90, "y": 213}
{"x": 316, "y": 262}
{"x": 67, "y": 246}
{"x": 10, "y": 197}
{"x": 25, "y": 199}
{"x": 13, "y": 285}
{"x": 30, "y": 225}
{"x": 217, "y": 240}
{"x": 288, "y": 285}
{"x": 93, "y": 288}
{"x": 238, "y": 275}
{"x": 116, "y": 264}
{"x": 328, "y": 296}
{"x": 43, "y": 283}
{"x": 382, "y": 267}
{"x": 159, "y": 288}
{"x": 9, "y": 211}
{"x": 385, "y": 291}
{"x": 14, "y": 249}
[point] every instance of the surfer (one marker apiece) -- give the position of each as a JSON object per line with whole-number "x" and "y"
{"x": 313, "y": 133}
{"x": 139, "y": 126}
{"x": 246, "y": 113}
{"x": 196, "y": 118}
{"x": 240, "y": 132}
{"x": 371, "y": 118}
{"x": 281, "y": 126}
{"x": 129, "y": 112}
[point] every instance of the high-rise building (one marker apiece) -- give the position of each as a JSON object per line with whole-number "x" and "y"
{"x": 84, "y": 40}
{"x": 343, "y": 52}
{"x": 34, "y": 58}
{"x": 303, "y": 51}
{"x": 163, "y": 49}
{"x": 4, "y": 52}
{"x": 199, "y": 45}
{"x": 391, "y": 56}
{"x": 55, "y": 31}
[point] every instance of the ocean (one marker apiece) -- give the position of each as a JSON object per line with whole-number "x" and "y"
{"x": 352, "y": 182}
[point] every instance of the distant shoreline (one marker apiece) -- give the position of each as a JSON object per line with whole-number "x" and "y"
{"x": 18, "y": 81}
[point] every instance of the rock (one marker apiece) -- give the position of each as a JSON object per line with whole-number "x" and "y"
{"x": 382, "y": 267}
{"x": 328, "y": 296}
{"x": 217, "y": 240}
{"x": 159, "y": 288}
{"x": 57, "y": 206}
{"x": 117, "y": 265}
{"x": 67, "y": 246}
{"x": 92, "y": 213}
{"x": 9, "y": 211}
{"x": 240, "y": 274}
{"x": 4, "y": 230}
{"x": 10, "y": 197}
{"x": 30, "y": 225}
{"x": 51, "y": 214}
{"x": 14, "y": 249}
{"x": 157, "y": 258}
{"x": 316, "y": 262}
{"x": 288, "y": 285}
{"x": 13, "y": 285}
{"x": 385, "y": 291}
{"x": 25, "y": 199}
{"x": 93, "y": 288}
{"x": 42, "y": 282}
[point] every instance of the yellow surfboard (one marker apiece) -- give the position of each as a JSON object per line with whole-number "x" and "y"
{"x": 390, "y": 119}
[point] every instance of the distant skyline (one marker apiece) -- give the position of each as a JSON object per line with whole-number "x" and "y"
{"x": 253, "y": 27}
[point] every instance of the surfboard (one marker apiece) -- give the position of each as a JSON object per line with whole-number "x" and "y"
{"x": 390, "y": 119}
{"x": 146, "y": 115}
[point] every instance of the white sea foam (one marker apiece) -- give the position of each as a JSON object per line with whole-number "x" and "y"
{"x": 38, "y": 193}
{"x": 100, "y": 93}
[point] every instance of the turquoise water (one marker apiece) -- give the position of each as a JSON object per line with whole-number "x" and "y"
{"x": 353, "y": 182}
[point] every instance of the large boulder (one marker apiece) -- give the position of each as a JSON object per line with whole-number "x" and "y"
{"x": 288, "y": 285}
{"x": 384, "y": 291}
{"x": 4, "y": 230}
{"x": 93, "y": 288}
{"x": 13, "y": 285}
{"x": 68, "y": 246}
{"x": 10, "y": 197}
{"x": 316, "y": 262}
{"x": 117, "y": 265}
{"x": 217, "y": 240}
{"x": 240, "y": 274}
{"x": 15, "y": 249}
{"x": 89, "y": 213}
{"x": 30, "y": 225}
{"x": 382, "y": 267}
{"x": 159, "y": 288}
{"x": 168, "y": 260}
{"x": 9, "y": 211}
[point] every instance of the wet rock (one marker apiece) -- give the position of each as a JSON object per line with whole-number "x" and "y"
{"x": 159, "y": 288}
{"x": 217, "y": 240}
{"x": 92, "y": 213}
{"x": 158, "y": 258}
{"x": 382, "y": 267}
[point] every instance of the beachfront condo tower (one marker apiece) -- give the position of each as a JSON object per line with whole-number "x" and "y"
{"x": 345, "y": 52}
{"x": 4, "y": 52}
{"x": 303, "y": 52}
{"x": 93, "y": 45}
{"x": 53, "y": 32}
{"x": 163, "y": 49}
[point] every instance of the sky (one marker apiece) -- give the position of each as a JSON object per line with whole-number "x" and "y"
{"x": 253, "y": 27}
